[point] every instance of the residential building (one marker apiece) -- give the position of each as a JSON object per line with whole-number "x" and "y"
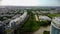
{"x": 55, "y": 25}
{"x": 43, "y": 18}
{"x": 1, "y": 28}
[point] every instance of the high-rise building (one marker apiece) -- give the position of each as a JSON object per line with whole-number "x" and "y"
{"x": 55, "y": 26}
{"x": 1, "y": 28}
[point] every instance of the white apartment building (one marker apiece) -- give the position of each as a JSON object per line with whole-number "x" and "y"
{"x": 18, "y": 20}
{"x": 55, "y": 26}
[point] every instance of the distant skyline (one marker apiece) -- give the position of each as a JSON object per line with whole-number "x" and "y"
{"x": 30, "y": 3}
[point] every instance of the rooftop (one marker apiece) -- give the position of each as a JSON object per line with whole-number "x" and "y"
{"x": 56, "y": 22}
{"x": 44, "y": 18}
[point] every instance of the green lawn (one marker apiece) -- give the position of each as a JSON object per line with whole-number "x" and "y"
{"x": 31, "y": 24}
{"x": 53, "y": 15}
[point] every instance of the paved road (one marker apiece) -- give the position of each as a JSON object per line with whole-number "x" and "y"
{"x": 36, "y": 18}
{"x": 40, "y": 31}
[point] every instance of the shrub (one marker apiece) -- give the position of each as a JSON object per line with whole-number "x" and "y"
{"x": 46, "y": 32}
{"x": 45, "y": 23}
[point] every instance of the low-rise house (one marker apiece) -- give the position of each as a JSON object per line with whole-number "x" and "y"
{"x": 45, "y": 12}
{"x": 43, "y": 18}
{"x": 33, "y": 12}
{"x": 18, "y": 15}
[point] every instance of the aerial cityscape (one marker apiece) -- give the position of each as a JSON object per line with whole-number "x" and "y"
{"x": 29, "y": 16}
{"x": 29, "y": 20}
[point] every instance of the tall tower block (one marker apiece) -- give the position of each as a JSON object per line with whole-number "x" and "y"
{"x": 55, "y": 26}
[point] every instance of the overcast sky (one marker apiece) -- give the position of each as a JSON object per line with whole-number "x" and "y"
{"x": 30, "y": 2}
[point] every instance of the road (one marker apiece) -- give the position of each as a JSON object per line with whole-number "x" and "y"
{"x": 41, "y": 30}
{"x": 36, "y": 18}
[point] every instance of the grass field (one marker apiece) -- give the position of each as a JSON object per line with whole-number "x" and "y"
{"x": 53, "y": 15}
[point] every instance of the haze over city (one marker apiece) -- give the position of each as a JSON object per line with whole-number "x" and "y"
{"x": 30, "y": 2}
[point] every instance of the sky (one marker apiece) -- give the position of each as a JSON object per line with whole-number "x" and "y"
{"x": 29, "y": 2}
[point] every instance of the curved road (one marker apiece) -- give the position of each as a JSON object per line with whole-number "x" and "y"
{"x": 42, "y": 29}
